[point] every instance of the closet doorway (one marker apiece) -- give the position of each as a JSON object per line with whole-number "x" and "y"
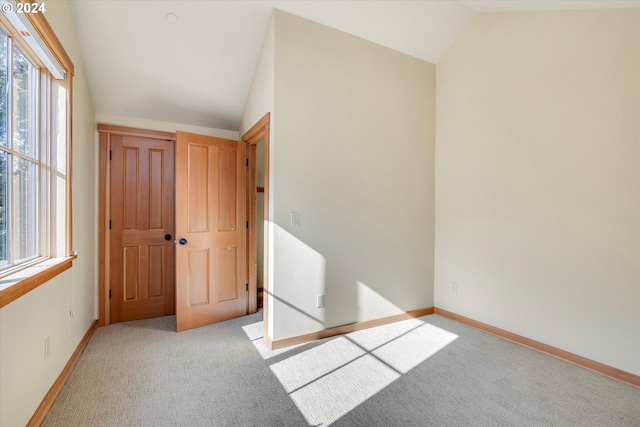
{"x": 257, "y": 139}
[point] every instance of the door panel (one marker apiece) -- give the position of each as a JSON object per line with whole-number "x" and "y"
{"x": 131, "y": 274}
{"x": 142, "y": 213}
{"x": 227, "y": 220}
{"x": 210, "y": 209}
{"x": 156, "y": 260}
{"x": 198, "y": 194}
{"x": 227, "y": 268}
{"x": 198, "y": 282}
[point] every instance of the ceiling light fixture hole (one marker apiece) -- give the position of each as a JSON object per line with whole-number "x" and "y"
{"x": 172, "y": 18}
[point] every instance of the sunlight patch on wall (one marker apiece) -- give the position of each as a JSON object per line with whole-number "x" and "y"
{"x": 294, "y": 307}
{"x": 372, "y": 305}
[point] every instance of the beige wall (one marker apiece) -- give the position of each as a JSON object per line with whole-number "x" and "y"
{"x": 25, "y": 374}
{"x": 261, "y": 95}
{"x": 353, "y": 154}
{"x": 538, "y": 179}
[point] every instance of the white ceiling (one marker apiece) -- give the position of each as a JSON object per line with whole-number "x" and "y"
{"x": 199, "y": 70}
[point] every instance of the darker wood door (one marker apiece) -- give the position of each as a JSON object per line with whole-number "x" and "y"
{"x": 211, "y": 282}
{"x": 142, "y": 224}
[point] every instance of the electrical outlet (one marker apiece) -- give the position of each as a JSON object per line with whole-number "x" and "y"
{"x": 454, "y": 287}
{"x": 72, "y": 313}
{"x": 320, "y": 301}
{"x": 47, "y": 347}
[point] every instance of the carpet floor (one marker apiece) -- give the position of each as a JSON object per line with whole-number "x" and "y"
{"x": 429, "y": 371}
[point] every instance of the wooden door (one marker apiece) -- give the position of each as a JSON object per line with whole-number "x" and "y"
{"x": 142, "y": 223}
{"x": 211, "y": 260}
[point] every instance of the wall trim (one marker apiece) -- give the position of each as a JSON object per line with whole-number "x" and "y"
{"x": 345, "y": 329}
{"x": 45, "y": 31}
{"x": 38, "y": 417}
{"x": 129, "y": 131}
{"x": 32, "y": 277}
{"x": 592, "y": 365}
{"x": 258, "y": 132}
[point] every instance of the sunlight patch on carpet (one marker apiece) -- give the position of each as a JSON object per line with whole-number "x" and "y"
{"x": 331, "y": 379}
{"x": 255, "y": 333}
{"x": 409, "y": 347}
{"x": 328, "y": 398}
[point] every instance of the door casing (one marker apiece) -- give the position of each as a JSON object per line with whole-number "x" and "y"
{"x": 104, "y": 208}
{"x": 258, "y": 132}
{"x": 141, "y": 228}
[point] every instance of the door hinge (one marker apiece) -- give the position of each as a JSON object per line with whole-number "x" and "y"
{"x": 109, "y": 224}
{"x": 247, "y": 162}
{"x": 109, "y": 154}
{"x": 109, "y": 293}
{"x": 247, "y": 224}
{"x": 247, "y": 287}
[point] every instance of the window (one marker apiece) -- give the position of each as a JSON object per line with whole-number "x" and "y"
{"x": 19, "y": 155}
{"x": 34, "y": 147}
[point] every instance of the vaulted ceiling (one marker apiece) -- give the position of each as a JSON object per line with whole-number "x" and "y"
{"x": 193, "y": 62}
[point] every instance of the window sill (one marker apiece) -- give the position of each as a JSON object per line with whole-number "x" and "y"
{"x": 20, "y": 283}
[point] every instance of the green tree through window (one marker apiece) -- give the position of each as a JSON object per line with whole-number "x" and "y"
{"x": 4, "y": 156}
{"x": 36, "y": 77}
{"x": 18, "y": 154}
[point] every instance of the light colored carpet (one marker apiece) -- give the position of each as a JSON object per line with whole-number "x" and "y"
{"x": 429, "y": 371}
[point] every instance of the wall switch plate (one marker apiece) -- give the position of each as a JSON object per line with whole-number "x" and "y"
{"x": 454, "y": 287}
{"x": 47, "y": 342}
{"x": 320, "y": 301}
{"x": 295, "y": 219}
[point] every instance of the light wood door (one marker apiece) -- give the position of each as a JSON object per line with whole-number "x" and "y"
{"x": 210, "y": 229}
{"x": 142, "y": 222}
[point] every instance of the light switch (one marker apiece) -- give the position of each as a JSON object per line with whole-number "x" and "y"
{"x": 295, "y": 219}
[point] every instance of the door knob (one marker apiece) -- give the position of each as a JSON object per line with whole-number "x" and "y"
{"x": 182, "y": 241}
{"x": 167, "y": 237}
